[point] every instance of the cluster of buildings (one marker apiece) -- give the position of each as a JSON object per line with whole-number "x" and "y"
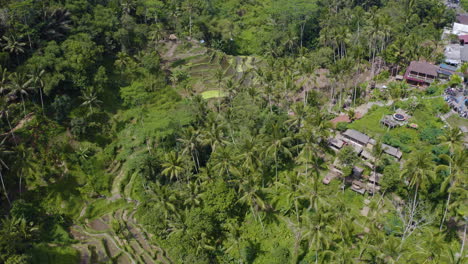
{"x": 363, "y": 145}
{"x": 423, "y": 73}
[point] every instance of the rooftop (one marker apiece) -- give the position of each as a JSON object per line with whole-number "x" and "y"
{"x": 423, "y": 67}
{"x": 464, "y": 54}
{"x": 392, "y": 151}
{"x": 357, "y": 136}
{"x": 462, "y": 19}
{"x": 459, "y": 29}
{"x": 452, "y": 53}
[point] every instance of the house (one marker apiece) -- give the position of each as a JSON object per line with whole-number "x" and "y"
{"x": 463, "y": 39}
{"x": 372, "y": 187}
{"x": 392, "y": 151}
{"x": 459, "y": 29}
{"x": 357, "y": 172}
{"x": 358, "y": 186}
{"x": 356, "y": 137}
{"x": 452, "y": 54}
{"x": 445, "y": 71}
{"x": 421, "y": 73}
{"x": 375, "y": 177}
{"x": 464, "y": 54}
{"x": 336, "y": 143}
{"x": 389, "y": 121}
{"x": 332, "y": 174}
{"x": 462, "y": 19}
{"x": 367, "y": 156}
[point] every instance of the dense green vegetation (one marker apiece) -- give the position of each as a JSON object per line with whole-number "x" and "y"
{"x": 213, "y": 147}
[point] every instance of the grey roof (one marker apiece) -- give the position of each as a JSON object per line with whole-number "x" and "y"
{"x": 357, "y": 136}
{"x": 464, "y": 53}
{"x": 452, "y": 53}
{"x": 392, "y": 151}
{"x": 336, "y": 142}
{"x": 357, "y": 172}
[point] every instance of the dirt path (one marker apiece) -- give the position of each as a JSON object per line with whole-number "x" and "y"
{"x": 170, "y": 52}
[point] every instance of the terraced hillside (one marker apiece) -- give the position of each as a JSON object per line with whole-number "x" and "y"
{"x": 207, "y": 68}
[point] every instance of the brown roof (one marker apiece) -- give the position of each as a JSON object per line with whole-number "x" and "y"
{"x": 423, "y": 67}
{"x": 462, "y": 19}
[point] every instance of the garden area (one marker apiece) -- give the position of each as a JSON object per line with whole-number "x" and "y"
{"x": 424, "y": 113}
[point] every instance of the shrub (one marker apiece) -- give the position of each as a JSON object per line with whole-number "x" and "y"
{"x": 342, "y": 126}
{"x": 382, "y": 76}
{"x": 431, "y": 135}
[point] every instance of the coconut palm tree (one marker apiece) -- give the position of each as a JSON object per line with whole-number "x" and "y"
{"x": 190, "y": 141}
{"x": 320, "y": 229}
{"x": 224, "y": 163}
{"x": 419, "y": 170}
{"x": 20, "y": 84}
{"x": 249, "y": 151}
{"x": 457, "y": 168}
{"x": 90, "y": 99}
{"x": 278, "y": 144}
{"x": 377, "y": 153}
{"x": 38, "y": 83}
{"x": 173, "y": 166}
{"x": 3, "y": 153}
{"x": 12, "y": 45}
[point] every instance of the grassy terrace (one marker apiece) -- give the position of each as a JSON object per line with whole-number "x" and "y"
{"x": 424, "y": 113}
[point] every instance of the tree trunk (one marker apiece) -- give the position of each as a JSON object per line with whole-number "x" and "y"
{"x": 42, "y": 101}
{"x": 463, "y": 242}
{"x": 4, "y": 188}
{"x": 445, "y": 211}
{"x": 24, "y": 105}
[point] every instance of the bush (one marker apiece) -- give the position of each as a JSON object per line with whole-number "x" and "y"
{"x": 342, "y": 126}
{"x": 431, "y": 135}
{"x": 382, "y": 76}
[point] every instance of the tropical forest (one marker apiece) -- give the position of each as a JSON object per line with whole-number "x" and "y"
{"x": 233, "y": 131}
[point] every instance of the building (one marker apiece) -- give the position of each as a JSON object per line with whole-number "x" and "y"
{"x": 462, "y": 19}
{"x": 445, "y": 71}
{"x": 463, "y": 39}
{"x": 392, "y": 151}
{"x": 459, "y": 29}
{"x": 452, "y": 54}
{"x": 464, "y": 54}
{"x": 356, "y": 137}
{"x": 421, "y": 73}
{"x": 336, "y": 143}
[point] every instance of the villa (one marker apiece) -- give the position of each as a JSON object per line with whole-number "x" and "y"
{"x": 421, "y": 73}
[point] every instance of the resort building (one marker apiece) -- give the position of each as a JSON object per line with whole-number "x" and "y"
{"x": 356, "y": 137}
{"x": 421, "y": 73}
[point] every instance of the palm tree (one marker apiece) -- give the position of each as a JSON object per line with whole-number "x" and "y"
{"x": 377, "y": 153}
{"x": 90, "y": 99}
{"x": 452, "y": 138}
{"x": 419, "y": 169}
{"x": 4, "y": 78}
{"x": 3, "y": 153}
{"x": 193, "y": 197}
{"x": 320, "y": 229}
{"x": 12, "y": 45}
{"x": 277, "y": 144}
{"x": 249, "y": 151}
{"x": 173, "y": 166}
{"x": 224, "y": 163}
{"x": 252, "y": 197}
{"x": 20, "y": 84}
{"x": 457, "y": 168}
{"x": 38, "y": 83}
{"x": 164, "y": 198}
{"x": 190, "y": 141}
